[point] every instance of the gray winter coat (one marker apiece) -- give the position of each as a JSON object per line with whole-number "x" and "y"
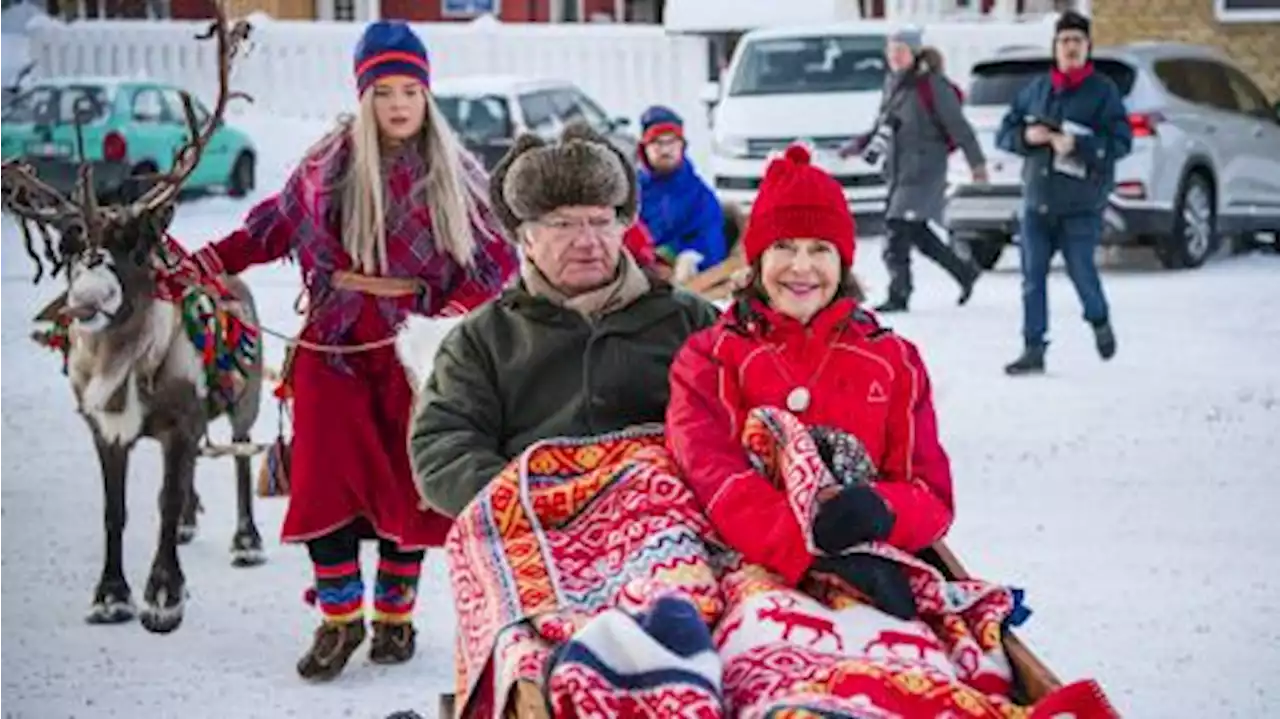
{"x": 916, "y": 160}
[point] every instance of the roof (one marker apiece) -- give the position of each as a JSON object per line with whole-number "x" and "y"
{"x": 855, "y": 27}
{"x": 492, "y": 85}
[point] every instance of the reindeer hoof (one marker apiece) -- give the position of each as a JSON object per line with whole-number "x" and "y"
{"x": 186, "y": 533}
{"x": 246, "y": 549}
{"x": 248, "y": 557}
{"x": 111, "y": 610}
{"x": 161, "y": 616}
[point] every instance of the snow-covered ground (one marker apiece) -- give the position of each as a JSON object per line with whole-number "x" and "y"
{"x": 1135, "y": 501}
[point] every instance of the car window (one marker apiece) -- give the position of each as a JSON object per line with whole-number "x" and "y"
{"x": 539, "y": 112}
{"x": 173, "y": 103}
{"x": 482, "y": 118}
{"x": 571, "y": 106}
{"x": 47, "y": 105}
{"x": 832, "y": 63}
{"x": 1249, "y": 99}
{"x": 997, "y": 83}
{"x": 1198, "y": 81}
{"x": 150, "y": 106}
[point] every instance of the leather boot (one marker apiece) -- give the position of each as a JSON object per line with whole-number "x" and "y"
{"x": 333, "y": 645}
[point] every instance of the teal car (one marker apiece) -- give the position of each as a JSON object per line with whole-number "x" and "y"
{"x": 129, "y": 129}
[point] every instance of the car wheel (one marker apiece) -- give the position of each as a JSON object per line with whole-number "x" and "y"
{"x": 1195, "y": 226}
{"x": 242, "y": 177}
{"x": 137, "y": 183}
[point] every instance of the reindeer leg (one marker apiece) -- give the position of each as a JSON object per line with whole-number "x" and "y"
{"x": 246, "y": 544}
{"x": 165, "y": 596}
{"x": 191, "y": 508}
{"x": 112, "y": 600}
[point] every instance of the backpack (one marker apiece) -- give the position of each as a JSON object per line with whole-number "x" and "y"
{"x": 924, "y": 89}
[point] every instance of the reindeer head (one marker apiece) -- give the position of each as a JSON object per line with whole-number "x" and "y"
{"x": 109, "y": 252}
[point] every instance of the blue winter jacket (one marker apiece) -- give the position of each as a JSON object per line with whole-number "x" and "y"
{"x": 682, "y": 213}
{"x": 1095, "y": 104}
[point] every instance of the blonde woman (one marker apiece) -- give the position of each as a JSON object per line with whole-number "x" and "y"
{"x": 386, "y": 216}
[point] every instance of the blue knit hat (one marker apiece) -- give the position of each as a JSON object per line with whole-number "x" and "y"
{"x": 389, "y": 48}
{"x": 658, "y": 120}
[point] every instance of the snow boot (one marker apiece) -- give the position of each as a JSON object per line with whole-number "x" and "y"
{"x": 393, "y": 642}
{"x": 1031, "y": 361}
{"x": 333, "y": 645}
{"x": 1105, "y": 340}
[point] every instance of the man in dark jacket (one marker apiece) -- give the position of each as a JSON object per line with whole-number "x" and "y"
{"x": 920, "y": 121}
{"x": 1071, "y": 126}
{"x": 581, "y": 346}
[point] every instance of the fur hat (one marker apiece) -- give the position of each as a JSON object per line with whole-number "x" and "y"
{"x": 583, "y": 168}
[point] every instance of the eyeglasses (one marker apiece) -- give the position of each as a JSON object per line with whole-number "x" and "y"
{"x": 565, "y": 228}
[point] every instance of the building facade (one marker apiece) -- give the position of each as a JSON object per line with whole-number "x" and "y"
{"x": 1248, "y": 30}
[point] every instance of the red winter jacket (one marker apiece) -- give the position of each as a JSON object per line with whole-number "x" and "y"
{"x": 870, "y": 382}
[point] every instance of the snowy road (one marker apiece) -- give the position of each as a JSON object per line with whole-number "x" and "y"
{"x": 1135, "y": 501}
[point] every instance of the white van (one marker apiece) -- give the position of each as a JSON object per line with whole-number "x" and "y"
{"x": 818, "y": 84}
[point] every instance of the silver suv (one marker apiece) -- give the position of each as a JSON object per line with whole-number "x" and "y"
{"x": 1205, "y": 160}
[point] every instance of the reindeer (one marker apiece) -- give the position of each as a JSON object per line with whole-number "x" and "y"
{"x": 133, "y": 370}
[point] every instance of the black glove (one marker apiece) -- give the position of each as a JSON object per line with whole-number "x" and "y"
{"x": 884, "y": 581}
{"x": 855, "y": 515}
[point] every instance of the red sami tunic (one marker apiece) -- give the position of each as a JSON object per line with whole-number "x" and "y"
{"x": 870, "y": 382}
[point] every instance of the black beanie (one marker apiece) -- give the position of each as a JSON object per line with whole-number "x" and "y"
{"x": 1072, "y": 20}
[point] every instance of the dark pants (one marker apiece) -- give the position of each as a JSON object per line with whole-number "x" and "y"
{"x": 897, "y": 256}
{"x": 343, "y": 545}
{"x": 1077, "y": 237}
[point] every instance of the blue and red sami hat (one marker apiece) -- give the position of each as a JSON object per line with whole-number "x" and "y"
{"x": 659, "y": 120}
{"x": 390, "y": 48}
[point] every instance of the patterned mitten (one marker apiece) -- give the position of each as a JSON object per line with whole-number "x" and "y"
{"x": 882, "y": 580}
{"x": 856, "y": 515}
{"x": 845, "y": 455}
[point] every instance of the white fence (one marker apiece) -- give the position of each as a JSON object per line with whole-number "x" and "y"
{"x": 303, "y": 69}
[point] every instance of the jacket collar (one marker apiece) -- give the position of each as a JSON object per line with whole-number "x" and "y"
{"x": 767, "y": 323}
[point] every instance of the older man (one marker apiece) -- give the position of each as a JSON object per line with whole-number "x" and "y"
{"x": 581, "y": 346}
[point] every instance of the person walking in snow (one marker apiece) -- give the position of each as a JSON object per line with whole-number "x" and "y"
{"x": 919, "y": 124}
{"x": 798, "y": 338}
{"x": 680, "y": 210}
{"x": 387, "y": 215}
{"x": 1072, "y": 128}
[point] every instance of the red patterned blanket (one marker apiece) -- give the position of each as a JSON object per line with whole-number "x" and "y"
{"x": 587, "y": 568}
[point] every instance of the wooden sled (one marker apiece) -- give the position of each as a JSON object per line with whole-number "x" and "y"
{"x": 1032, "y": 678}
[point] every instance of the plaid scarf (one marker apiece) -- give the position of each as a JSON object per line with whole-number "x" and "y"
{"x": 308, "y": 206}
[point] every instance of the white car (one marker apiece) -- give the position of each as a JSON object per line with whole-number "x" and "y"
{"x": 815, "y": 84}
{"x": 489, "y": 111}
{"x": 1205, "y": 161}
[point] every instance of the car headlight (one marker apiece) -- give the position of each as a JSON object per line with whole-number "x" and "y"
{"x": 729, "y": 146}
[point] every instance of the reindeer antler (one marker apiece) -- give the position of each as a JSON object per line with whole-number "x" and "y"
{"x": 34, "y": 202}
{"x": 229, "y": 40}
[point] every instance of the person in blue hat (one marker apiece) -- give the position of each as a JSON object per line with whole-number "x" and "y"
{"x": 680, "y": 210}
{"x": 387, "y": 216}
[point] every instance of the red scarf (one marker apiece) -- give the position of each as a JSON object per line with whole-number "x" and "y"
{"x": 1070, "y": 79}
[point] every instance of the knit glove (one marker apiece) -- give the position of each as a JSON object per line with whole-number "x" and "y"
{"x": 855, "y": 515}
{"x": 883, "y": 581}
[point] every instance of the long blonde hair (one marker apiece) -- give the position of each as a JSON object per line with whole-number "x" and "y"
{"x": 451, "y": 189}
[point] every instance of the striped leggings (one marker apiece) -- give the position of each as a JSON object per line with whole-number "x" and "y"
{"x": 339, "y": 587}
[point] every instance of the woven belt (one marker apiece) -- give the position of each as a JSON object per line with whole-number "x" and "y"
{"x": 377, "y": 286}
